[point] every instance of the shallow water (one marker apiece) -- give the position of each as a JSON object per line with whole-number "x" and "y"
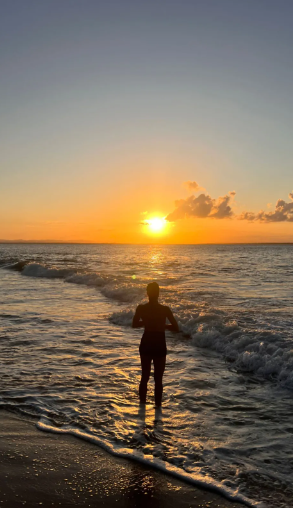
{"x": 70, "y": 358}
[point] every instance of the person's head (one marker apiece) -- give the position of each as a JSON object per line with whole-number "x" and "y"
{"x": 153, "y": 291}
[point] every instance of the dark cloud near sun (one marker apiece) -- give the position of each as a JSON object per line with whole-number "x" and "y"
{"x": 201, "y": 207}
{"x": 283, "y": 213}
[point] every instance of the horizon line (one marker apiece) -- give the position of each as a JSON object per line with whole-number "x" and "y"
{"x": 54, "y": 242}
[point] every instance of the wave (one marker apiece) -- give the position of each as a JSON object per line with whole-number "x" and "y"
{"x": 264, "y": 354}
{"x": 153, "y": 462}
{"x": 122, "y": 318}
{"x": 17, "y": 266}
{"x": 37, "y": 270}
{"x": 32, "y": 410}
{"x": 121, "y": 291}
{"x": 261, "y": 353}
{"x": 88, "y": 279}
{"x": 124, "y": 293}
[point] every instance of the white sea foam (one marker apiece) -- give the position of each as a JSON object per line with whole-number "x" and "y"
{"x": 124, "y": 293}
{"x": 217, "y": 421}
{"x": 122, "y": 318}
{"x": 198, "y": 480}
{"x": 38, "y": 270}
{"x": 263, "y": 355}
{"x": 250, "y": 353}
{"x": 87, "y": 279}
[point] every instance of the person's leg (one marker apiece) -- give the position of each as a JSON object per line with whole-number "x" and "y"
{"x": 159, "y": 367}
{"x": 146, "y": 361}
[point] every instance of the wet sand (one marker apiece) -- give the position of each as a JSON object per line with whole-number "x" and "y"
{"x": 45, "y": 470}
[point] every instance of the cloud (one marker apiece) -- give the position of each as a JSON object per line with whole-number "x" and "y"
{"x": 247, "y": 216}
{"x": 201, "y": 207}
{"x": 283, "y": 213}
{"x": 192, "y": 186}
{"x": 204, "y": 206}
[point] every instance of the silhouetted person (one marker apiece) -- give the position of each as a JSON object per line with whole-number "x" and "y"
{"x": 152, "y": 316}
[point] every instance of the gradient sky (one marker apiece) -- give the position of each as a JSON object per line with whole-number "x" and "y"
{"x": 108, "y": 107}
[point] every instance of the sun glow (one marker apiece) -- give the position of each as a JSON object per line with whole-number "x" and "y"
{"x": 156, "y": 225}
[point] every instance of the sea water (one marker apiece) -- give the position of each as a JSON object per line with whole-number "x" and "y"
{"x": 69, "y": 357}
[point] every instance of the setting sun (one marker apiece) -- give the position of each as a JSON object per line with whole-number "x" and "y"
{"x": 156, "y": 225}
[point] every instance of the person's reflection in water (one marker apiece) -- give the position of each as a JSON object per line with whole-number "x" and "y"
{"x": 141, "y": 414}
{"x": 148, "y": 428}
{"x": 158, "y": 421}
{"x": 143, "y": 424}
{"x": 152, "y": 317}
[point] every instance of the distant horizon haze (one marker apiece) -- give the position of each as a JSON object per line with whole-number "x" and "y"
{"x": 49, "y": 242}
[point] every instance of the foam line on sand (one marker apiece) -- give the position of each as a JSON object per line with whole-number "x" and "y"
{"x": 45, "y": 469}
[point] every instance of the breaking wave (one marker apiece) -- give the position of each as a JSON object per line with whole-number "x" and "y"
{"x": 36, "y": 270}
{"x": 121, "y": 291}
{"x": 198, "y": 480}
{"x": 263, "y": 354}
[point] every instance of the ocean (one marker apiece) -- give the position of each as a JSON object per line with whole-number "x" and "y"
{"x": 70, "y": 360}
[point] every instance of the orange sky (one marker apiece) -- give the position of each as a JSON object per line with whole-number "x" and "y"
{"x": 86, "y": 207}
{"x": 131, "y": 230}
{"x": 106, "y": 111}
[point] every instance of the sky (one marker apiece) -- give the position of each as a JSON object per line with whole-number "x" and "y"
{"x": 117, "y": 112}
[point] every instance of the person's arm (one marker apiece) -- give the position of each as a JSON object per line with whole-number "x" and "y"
{"x": 174, "y": 325}
{"x": 137, "y": 319}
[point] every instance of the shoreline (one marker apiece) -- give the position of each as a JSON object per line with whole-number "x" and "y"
{"x": 44, "y": 469}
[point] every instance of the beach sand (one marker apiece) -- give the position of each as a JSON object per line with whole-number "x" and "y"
{"x": 45, "y": 470}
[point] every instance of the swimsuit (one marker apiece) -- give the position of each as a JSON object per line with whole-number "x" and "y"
{"x": 153, "y": 344}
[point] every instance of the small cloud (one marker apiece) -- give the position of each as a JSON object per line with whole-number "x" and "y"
{"x": 232, "y": 193}
{"x": 143, "y": 213}
{"x": 192, "y": 186}
{"x": 283, "y": 213}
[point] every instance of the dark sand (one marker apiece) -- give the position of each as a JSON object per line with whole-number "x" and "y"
{"x": 45, "y": 470}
